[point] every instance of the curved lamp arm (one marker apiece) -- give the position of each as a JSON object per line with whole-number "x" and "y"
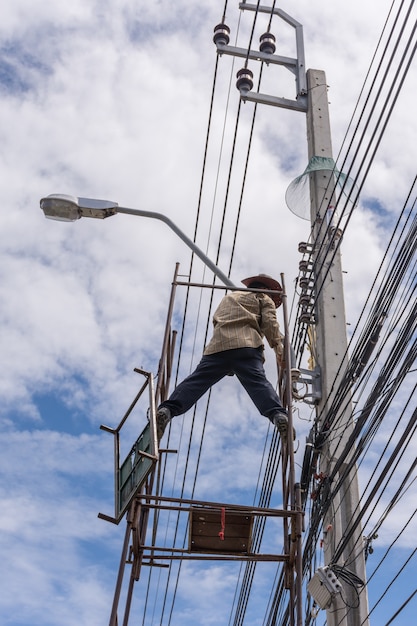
{"x": 70, "y": 208}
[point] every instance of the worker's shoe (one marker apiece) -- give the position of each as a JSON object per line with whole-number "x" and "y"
{"x": 163, "y": 417}
{"x": 280, "y": 421}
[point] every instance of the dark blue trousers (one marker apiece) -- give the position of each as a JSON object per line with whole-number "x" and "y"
{"x": 245, "y": 363}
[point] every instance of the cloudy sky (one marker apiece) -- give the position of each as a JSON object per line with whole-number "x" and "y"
{"x": 111, "y": 100}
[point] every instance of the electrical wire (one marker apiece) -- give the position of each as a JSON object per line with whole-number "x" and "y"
{"x": 385, "y": 111}
{"x": 391, "y": 376}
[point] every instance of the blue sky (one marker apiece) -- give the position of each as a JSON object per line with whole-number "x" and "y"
{"x": 110, "y": 100}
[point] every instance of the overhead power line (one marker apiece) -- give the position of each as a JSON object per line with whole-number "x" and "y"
{"x": 383, "y": 350}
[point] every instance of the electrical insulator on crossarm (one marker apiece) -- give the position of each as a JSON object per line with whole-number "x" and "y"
{"x": 244, "y": 80}
{"x": 221, "y": 35}
{"x": 267, "y": 43}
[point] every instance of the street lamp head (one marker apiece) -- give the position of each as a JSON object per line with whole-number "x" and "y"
{"x": 67, "y": 208}
{"x": 61, "y": 207}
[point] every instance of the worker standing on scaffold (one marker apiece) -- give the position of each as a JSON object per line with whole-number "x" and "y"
{"x": 241, "y": 321}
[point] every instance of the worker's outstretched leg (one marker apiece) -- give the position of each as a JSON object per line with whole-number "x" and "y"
{"x": 250, "y": 371}
{"x": 209, "y": 371}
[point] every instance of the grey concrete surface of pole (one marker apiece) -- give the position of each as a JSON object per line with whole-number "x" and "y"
{"x": 331, "y": 345}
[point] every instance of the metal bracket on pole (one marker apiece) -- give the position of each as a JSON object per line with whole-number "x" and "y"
{"x": 300, "y": 104}
{"x": 310, "y": 378}
{"x": 294, "y": 65}
{"x": 299, "y": 40}
{"x": 284, "y": 103}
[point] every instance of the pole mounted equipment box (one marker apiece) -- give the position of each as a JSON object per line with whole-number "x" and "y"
{"x": 324, "y": 586}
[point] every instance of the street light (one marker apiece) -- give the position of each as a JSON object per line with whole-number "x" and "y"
{"x": 66, "y": 208}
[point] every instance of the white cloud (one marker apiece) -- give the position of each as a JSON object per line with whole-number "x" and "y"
{"x": 49, "y": 525}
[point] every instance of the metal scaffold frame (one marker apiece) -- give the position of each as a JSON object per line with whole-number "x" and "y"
{"x": 207, "y": 520}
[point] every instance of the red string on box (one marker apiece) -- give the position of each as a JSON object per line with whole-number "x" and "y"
{"x": 223, "y": 523}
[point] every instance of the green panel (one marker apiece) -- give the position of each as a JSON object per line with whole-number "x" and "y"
{"x": 134, "y": 470}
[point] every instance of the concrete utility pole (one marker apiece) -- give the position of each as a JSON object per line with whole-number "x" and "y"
{"x": 331, "y": 346}
{"x": 331, "y": 339}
